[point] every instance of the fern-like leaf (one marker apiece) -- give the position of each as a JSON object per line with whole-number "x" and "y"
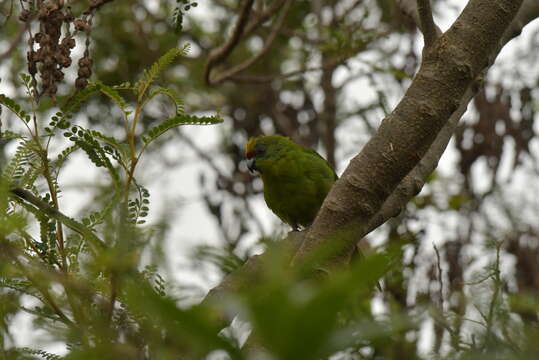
{"x": 85, "y": 139}
{"x": 114, "y": 96}
{"x": 171, "y": 94}
{"x": 124, "y": 86}
{"x": 10, "y": 135}
{"x": 64, "y": 155}
{"x": 42, "y": 353}
{"x": 139, "y": 208}
{"x": 179, "y": 13}
{"x": 24, "y": 287}
{"x": 164, "y": 61}
{"x": 14, "y": 107}
{"x": 19, "y": 162}
{"x": 74, "y": 103}
{"x": 179, "y": 120}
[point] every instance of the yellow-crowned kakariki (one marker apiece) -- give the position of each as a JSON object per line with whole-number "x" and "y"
{"x": 296, "y": 178}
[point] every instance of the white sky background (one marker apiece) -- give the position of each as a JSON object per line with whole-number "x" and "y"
{"x": 192, "y": 224}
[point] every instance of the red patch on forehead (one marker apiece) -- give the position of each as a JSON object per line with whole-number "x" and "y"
{"x": 249, "y": 148}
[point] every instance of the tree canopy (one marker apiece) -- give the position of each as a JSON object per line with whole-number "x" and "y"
{"x": 104, "y": 170}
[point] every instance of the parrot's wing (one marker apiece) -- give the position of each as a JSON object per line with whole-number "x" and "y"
{"x": 314, "y": 153}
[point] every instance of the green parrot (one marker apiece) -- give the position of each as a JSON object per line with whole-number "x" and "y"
{"x": 296, "y": 178}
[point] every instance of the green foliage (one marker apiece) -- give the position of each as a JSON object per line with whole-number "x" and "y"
{"x": 75, "y": 102}
{"x": 113, "y": 94}
{"x": 104, "y": 297}
{"x": 42, "y": 354}
{"x": 223, "y": 260}
{"x": 20, "y": 160}
{"x": 179, "y": 120}
{"x": 138, "y": 208}
{"x": 182, "y": 6}
{"x": 14, "y": 107}
{"x": 85, "y": 280}
{"x": 281, "y": 308}
{"x": 164, "y": 61}
{"x": 171, "y": 94}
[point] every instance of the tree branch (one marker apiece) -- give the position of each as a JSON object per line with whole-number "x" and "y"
{"x": 227, "y": 74}
{"x": 26, "y": 196}
{"x": 411, "y": 183}
{"x": 414, "y": 181}
{"x": 420, "y": 11}
{"x": 218, "y": 55}
{"x": 404, "y": 137}
{"x": 426, "y": 22}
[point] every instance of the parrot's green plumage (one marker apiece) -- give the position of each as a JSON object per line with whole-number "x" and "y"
{"x": 296, "y": 178}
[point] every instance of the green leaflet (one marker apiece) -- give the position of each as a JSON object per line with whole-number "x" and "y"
{"x": 179, "y": 120}
{"x": 14, "y": 107}
{"x": 164, "y": 61}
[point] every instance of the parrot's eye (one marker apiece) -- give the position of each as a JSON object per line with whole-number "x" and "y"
{"x": 254, "y": 149}
{"x": 259, "y": 149}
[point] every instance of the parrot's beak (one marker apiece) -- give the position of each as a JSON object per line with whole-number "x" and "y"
{"x": 251, "y": 165}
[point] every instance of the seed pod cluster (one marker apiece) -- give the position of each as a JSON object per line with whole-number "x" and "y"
{"x": 54, "y": 46}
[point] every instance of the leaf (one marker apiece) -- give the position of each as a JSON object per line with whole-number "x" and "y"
{"x": 179, "y": 120}
{"x": 85, "y": 139}
{"x": 172, "y": 95}
{"x": 114, "y": 96}
{"x": 43, "y": 354}
{"x": 14, "y": 107}
{"x": 108, "y": 139}
{"x": 20, "y": 160}
{"x": 195, "y": 328}
{"x": 164, "y": 61}
{"x": 287, "y": 314}
{"x": 10, "y": 135}
{"x": 124, "y": 86}
{"x": 74, "y": 103}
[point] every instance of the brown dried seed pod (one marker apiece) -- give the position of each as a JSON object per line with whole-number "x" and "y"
{"x": 84, "y": 72}
{"x": 45, "y": 75}
{"x": 81, "y": 83}
{"x": 68, "y": 42}
{"x": 65, "y": 61}
{"x": 38, "y": 37}
{"x": 58, "y": 75}
{"x": 52, "y": 89}
{"x": 39, "y": 54}
{"x": 85, "y": 62}
{"x": 80, "y": 24}
{"x": 49, "y": 61}
{"x": 44, "y": 39}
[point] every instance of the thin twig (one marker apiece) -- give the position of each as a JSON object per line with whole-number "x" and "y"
{"x": 218, "y": 55}
{"x": 47, "y": 297}
{"x": 227, "y": 74}
{"x": 28, "y": 198}
{"x": 426, "y": 22}
{"x": 494, "y": 300}
{"x": 253, "y": 25}
{"x": 439, "y": 267}
{"x": 268, "y": 78}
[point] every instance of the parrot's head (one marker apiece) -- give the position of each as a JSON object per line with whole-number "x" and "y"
{"x": 263, "y": 148}
{"x": 254, "y": 149}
